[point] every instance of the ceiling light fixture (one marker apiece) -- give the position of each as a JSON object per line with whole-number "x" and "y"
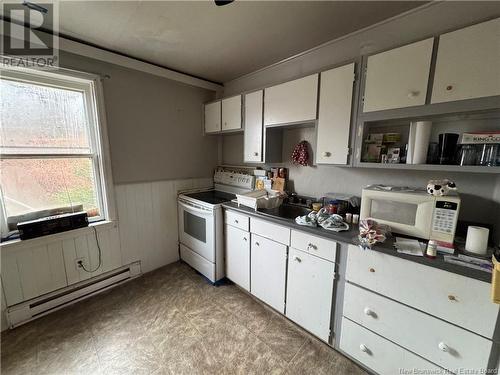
{"x": 220, "y": 3}
{"x": 36, "y": 7}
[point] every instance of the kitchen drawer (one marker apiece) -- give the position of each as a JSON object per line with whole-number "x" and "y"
{"x": 237, "y": 220}
{"x": 458, "y": 299}
{"x": 314, "y": 245}
{"x": 442, "y": 343}
{"x": 272, "y": 231}
{"x": 379, "y": 354}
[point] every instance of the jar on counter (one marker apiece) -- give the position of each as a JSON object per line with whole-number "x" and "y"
{"x": 332, "y": 207}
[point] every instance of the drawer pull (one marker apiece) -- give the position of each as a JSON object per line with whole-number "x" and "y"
{"x": 245, "y": 238}
{"x": 297, "y": 259}
{"x": 369, "y": 312}
{"x": 257, "y": 244}
{"x": 371, "y": 269}
{"x": 443, "y": 347}
{"x": 312, "y": 246}
{"x": 236, "y": 221}
{"x": 452, "y": 298}
{"x": 364, "y": 349}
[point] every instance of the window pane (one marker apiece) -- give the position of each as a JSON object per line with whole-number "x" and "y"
{"x": 41, "y": 119}
{"x": 30, "y": 185}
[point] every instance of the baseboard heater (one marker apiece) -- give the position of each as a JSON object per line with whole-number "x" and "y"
{"x": 43, "y": 305}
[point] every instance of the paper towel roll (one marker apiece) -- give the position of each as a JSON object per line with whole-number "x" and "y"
{"x": 477, "y": 240}
{"x": 418, "y": 144}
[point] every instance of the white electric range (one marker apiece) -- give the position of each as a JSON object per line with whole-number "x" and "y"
{"x": 201, "y": 222}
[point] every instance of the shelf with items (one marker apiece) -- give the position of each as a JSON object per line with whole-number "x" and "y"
{"x": 456, "y": 143}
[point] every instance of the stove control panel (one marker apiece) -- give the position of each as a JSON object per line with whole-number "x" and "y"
{"x": 241, "y": 180}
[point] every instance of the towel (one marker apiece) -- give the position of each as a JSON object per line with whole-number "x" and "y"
{"x": 300, "y": 154}
{"x": 322, "y": 218}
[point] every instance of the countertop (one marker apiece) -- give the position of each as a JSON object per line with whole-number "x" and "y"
{"x": 351, "y": 237}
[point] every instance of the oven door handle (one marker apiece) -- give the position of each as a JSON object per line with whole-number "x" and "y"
{"x": 194, "y": 207}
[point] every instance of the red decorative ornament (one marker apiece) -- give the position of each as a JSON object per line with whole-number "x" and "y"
{"x": 300, "y": 154}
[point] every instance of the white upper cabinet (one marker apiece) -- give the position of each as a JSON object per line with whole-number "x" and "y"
{"x": 213, "y": 117}
{"x": 468, "y": 63}
{"x": 398, "y": 78}
{"x": 253, "y": 127}
{"x": 294, "y": 101}
{"x": 231, "y": 113}
{"x": 334, "y": 118}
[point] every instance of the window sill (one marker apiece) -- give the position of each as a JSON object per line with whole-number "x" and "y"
{"x": 40, "y": 241}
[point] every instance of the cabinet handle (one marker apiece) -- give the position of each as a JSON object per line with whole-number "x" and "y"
{"x": 452, "y": 298}
{"x": 371, "y": 269}
{"x": 255, "y": 154}
{"x": 257, "y": 244}
{"x": 236, "y": 221}
{"x": 327, "y": 154}
{"x": 245, "y": 238}
{"x": 364, "y": 349}
{"x": 369, "y": 312}
{"x": 443, "y": 347}
{"x": 449, "y": 88}
{"x": 312, "y": 246}
{"x": 297, "y": 259}
{"x": 413, "y": 94}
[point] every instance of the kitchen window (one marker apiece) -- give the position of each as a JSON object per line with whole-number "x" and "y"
{"x": 51, "y": 146}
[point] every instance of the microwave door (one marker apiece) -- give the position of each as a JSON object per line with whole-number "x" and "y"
{"x": 403, "y": 216}
{"x": 196, "y": 229}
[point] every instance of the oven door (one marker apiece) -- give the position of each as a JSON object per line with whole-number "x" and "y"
{"x": 197, "y": 229}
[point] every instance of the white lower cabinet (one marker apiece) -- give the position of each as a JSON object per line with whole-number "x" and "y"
{"x": 381, "y": 355}
{"x": 309, "y": 292}
{"x": 268, "y": 271}
{"x": 237, "y": 244}
{"x": 443, "y": 343}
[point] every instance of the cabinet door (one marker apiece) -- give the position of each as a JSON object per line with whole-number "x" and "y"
{"x": 268, "y": 272}
{"x": 468, "y": 63}
{"x": 213, "y": 117}
{"x": 398, "y": 78}
{"x": 253, "y": 127}
{"x": 238, "y": 256}
{"x": 309, "y": 292}
{"x": 294, "y": 101}
{"x": 334, "y": 118}
{"x": 231, "y": 113}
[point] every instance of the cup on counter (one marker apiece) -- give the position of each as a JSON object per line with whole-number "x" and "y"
{"x": 348, "y": 218}
{"x": 316, "y": 206}
{"x": 355, "y": 219}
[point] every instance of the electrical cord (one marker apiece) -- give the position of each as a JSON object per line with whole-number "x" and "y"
{"x": 80, "y": 262}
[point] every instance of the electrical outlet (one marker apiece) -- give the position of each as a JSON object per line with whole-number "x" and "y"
{"x": 77, "y": 261}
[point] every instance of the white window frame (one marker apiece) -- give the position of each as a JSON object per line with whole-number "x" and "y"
{"x": 91, "y": 86}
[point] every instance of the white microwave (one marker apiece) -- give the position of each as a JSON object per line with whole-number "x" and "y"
{"x": 412, "y": 212}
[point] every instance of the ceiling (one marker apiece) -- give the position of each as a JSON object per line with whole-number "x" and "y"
{"x": 218, "y": 43}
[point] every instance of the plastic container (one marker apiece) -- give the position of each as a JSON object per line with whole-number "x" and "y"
{"x": 431, "y": 251}
{"x": 260, "y": 199}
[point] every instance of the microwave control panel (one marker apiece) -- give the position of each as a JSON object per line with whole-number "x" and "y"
{"x": 445, "y": 217}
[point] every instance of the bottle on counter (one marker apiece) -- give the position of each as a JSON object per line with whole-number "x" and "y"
{"x": 431, "y": 251}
